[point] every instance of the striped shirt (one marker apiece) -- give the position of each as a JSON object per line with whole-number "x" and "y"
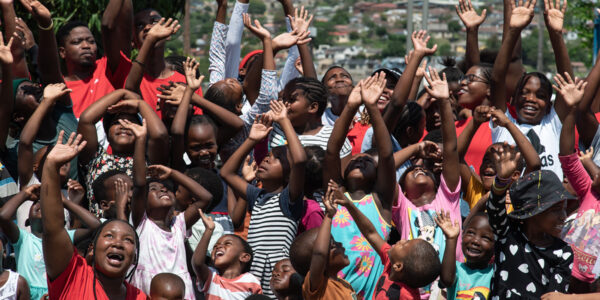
{"x": 217, "y": 287}
{"x": 273, "y": 226}
{"x": 320, "y": 139}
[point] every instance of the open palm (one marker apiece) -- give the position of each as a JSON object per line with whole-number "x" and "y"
{"x": 438, "y": 87}
{"x": 571, "y": 91}
{"x": 554, "y": 14}
{"x": 372, "y": 88}
{"x": 63, "y": 153}
{"x": 419, "y": 40}
{"x": 164, "y": 29}
{"x": 40, "y": 13}
{"x": 261, "y": 128}
{"x": 256, "y": 28}
{"x": 521, "y": 16}
{"x": 191, "y": 68}
{"x": 6, "y": 56}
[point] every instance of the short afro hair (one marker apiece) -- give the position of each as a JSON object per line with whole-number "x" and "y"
{"x": 65, "y": 30}
{"x": 301, "y": 251}
{"x": 211, "y": 182}
{"x": 247, "y": 249}
{"x": 422, "y": 265}
{"x": 98, "y": 184}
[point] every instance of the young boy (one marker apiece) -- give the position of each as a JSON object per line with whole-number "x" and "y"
{"x": 327, "y": 259}
{"x": 113, "y": 190}
{"x": 167, "y": 286}
{"x": 473, "y": 277}
{"x": 409, "y": 265}
{"x": 232, "y": 257}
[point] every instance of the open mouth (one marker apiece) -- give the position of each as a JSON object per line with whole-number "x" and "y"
{"x": 165, "y": 198}
{"x": 419, "y": 173}
{"x": 473, "y": 251}
{"x": 529, "y": 110}
{"x": 219, "y": 253}
{"x": 115, "y": 259}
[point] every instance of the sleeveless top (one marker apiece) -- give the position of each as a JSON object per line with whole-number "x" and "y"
{"x": 365, "y": 266}
{"x": 9, "y": 289}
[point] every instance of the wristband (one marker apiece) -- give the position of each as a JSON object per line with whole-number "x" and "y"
{"x": 140, "y": 63}
{"x": 46, "y": 28}
{"x": 500, "y": 185}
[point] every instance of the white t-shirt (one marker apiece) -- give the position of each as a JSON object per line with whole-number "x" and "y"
{"x": 544, "y": 137}
{"x": 320, "y": 139}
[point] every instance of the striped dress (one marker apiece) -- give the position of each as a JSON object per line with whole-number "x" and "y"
{"x": 320, "y": 139}
{"x": 273, "y": 226}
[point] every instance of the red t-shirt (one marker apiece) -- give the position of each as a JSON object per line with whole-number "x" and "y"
{"x": 387, "y": 289}
{"x": 356, "y": 136}
{"x": 76, "y": 281}
{"x": 479, "y": 144}
{"x": 102, "y": 82}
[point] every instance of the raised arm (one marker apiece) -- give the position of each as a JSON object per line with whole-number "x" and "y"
{"x": 199, "y": 256}
{"x": 532, "y": 159}
{"x": 424, "y": 150}
{"x": 451, "y": 231}
{"x": 9, "y": 20}
{"x": 438, "y": 89}
{"x": 138, "y": 202}
{"x": 6, "y": 91}
{"x": 90, "y": 221}
{"x": 297, "y": 153}
{"x": 117, "y": 30}
{"x": 160, "y": 31}
{"x": 472, "y": 21}
{"x": 506, "y": 159}
{"x": 253, "y": 76}
{"x": 54, "y": 234}
{"x": 480, "y": 116}
{"x": 93, "y": 114}
{"x": 320, "y": 252}
{"x": 402, "y": 89}
{"x": 571, "y": 92}
{"x": 9, "y": 209}
{"x": 587, "y": 125}
{"x": 520, "y": 17}
{"x": 554, "y": 16}
{"x": 301, "y": 22}
{"x": 332, "y": 169}
{"x": 52, "y": 93}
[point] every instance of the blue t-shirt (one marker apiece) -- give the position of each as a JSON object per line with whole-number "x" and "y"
{"x": 30, "y": 261}
{"x": 471, "y": 283}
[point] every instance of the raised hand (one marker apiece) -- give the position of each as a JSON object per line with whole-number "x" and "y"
{"x": 191, "y": 67}
{"x": 507, "y": 159}
{"x": 482, "y": 113}
{"x": 55, "y": 90}
{"x": 6, "y": 56}
{"x": 172, "y": 94}
{"x": 450, "y": 229}
{"x": 278, "y": 111}
{"x": 468, "y": 15}
{"x": 355, "y": 98}
{"x": 571, "y": 91}
{"x": 75, "y": 191}
{"x": 554, "y": 15}
{"x": 438, "y": 88}
{"x": 206, "y": 220}
{"x": 261, "y": 128}
{"x": 300, "y": 23}
{"x": 257, "y": 29}
{"x": 122, "y": 190}
{"x": 338, "y": 194}
{"x": 521, "y": 15}
{"x": 163, "y": 29}
{"x": 33, "y": 192}
{"x": 499, "y": 118}
{"x": 428, "y": 150}
{"x": 587, "y": 155}
{"x": 249, "y": 169}
{"x": 329, "y": 202}
{"x": 139, "y": 131}
{"x": 40, "y": 13}
{"x": 24, "y": 34}
{"x": 130, "y": 106}
{"x": 419, "y": 40}
{"x": 63, "y": 153}
{"x": 372, "y": 88}
{"x": 421, "y": 69}
{"x": 159, "y": 171}
{"x": 298, "y": 65}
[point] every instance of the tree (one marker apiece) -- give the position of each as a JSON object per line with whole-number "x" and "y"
{"x": 530, "y": 51}
{"x": 354, "y": 36}
{"x": 454, "y": 26}
{"x": 257, "y": 7}
{"x": 380, "y": 31}
{"x": 396, "y": 46}
{"x": 493, "y": 42}
{"x": 578, "y": 17}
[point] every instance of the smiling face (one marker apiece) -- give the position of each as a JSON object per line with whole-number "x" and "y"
{"x": 385, "y": 97}
{"x": 419, "y": 178}
{"x": 228, "y": 250}
{"x": 487, "y": 170}
{"x": 79, "y": 47}
{"x": 478, "y": 240}
{"x": 280, "y": 280}
{"x": 159, "y": 196}
{"x": 115, "y": 249}
{"x": 120, "y": 138}
{"x": 338, "y": 81}
{"x": 533, "y": 102}
{"x": 552, "y": 220}
{"x": 201, "y": 145}
{"x": 474, "y": 88}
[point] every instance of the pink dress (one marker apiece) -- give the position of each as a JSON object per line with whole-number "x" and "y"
{"x": 162, "y": 251}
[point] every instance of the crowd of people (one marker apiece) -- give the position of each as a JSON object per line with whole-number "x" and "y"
{"x": 122, "y": 179}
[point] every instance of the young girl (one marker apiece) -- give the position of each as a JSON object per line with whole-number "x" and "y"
{"x": 369, "y": 184}
{"x": 153, "y": 219}
{"x": 12, "y": 285}
{"x": 536, "y": 116}
{"x": 275, "y": 208}
{"x": 286, "y": 283}
{"x": 115, "y": 245}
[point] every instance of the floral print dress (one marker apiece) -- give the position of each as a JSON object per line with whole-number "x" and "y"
{"x": 365, "y": 266}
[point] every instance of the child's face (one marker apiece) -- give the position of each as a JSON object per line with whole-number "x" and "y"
{"x": 166, "y": 291}
{"x": 159, "y": 196}
{"x": 361, "y": 166}
{"x": 270, "y": 168}
{"x": 202, "y": 146}
{"x": 552, "y": 220}
{"x": 533, "y": 103}
{"x": 115, "y": 249}
{"x": 337, "y": 255}
{"x": 227, "y": 251}
{"x": 299, "y": 107}
{"x": 418, "y": 178}
{"x": 398, "y": 254}
{"x": 478, "y": 240}
{"x": 280, "y": 280}
{"x": 108, "y": 205}
{"x": 119, "y": 137}
{"x": 35, "y": 212}
{"x": 339, "y": 82}
{"x": 473, "y": 88}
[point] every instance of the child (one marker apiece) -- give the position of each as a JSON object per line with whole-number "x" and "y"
{"x": 371, "y": 186}
{"x": 473, "y": 277}
{"x": 476, "y": 186}
{"x": 275, "y": 208}
{"x": 581, "y": 235}
{"x": 313, "y": 189}
{"x": 12, "y": 285}
{"x": 326, "y": 259}
{"x": 112, "y": 191}
{"x": 232, "y": 257}
{"x": 114, "y": 248}
{"x": 286, "y": 283}
{"x": 28, "y": 245}
{"x": 152, "y": 216}
{"x": 531, "y": 259}
{"x": 167, "y": 286}
{"x": 408, "y": 265}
